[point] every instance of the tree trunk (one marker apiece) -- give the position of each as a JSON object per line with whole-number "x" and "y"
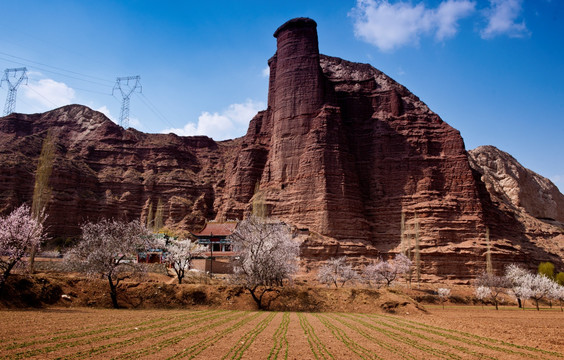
{"x": 113, "y": 292}
{"x": 180, "y": 275}
{"x": 32, "y": 254}
{"x": 519, "y": 301}
{"x": 255, "y": 298}
{"x": 4, "y": 277}
{"x": 496, "y": 307}
{"x": 537, "y": 302}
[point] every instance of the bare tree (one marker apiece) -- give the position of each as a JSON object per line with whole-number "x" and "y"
{"x": 158, "y": 221}
{"x": 489, "y": 266}
{"x": 266, "y": 256}
{"x": 336, "y": 271}
{"x": 105, "y": 248}
{"x": 41, "y": 189}
{"x": 417, "y": 252}
{"x": 388, "y": 271}
{"x": 150, "y": 219}
{"x": 19, "y": 233}
{"x": 179, "y": 254}
{"x": 496, "y": 284}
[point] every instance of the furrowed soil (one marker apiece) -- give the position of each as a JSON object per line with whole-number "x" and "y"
{"x": 457, "y": 332}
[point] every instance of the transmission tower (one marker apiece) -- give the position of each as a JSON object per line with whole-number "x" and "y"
{"x": 126, "y": 85}
{"x": 14, "y": 78}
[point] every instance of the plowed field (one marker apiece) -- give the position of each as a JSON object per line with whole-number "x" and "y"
{"x": 460, "y": 333}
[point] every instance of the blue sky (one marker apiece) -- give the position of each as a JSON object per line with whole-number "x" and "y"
{"x": 492, "y": 69}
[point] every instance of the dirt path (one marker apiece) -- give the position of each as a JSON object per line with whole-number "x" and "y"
{"x": 456, "y": 333}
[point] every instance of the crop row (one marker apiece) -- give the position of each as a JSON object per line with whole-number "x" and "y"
{"x": 231, "y": 334}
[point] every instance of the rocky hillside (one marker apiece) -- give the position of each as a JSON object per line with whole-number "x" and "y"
{"x": 342, "y": 152}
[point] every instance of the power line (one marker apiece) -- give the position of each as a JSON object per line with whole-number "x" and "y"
{"x": 46, "y": 99}
{"x": 121, "y": 84}
{"x": 57, "y": 68}
{"x": 154, "y": 109}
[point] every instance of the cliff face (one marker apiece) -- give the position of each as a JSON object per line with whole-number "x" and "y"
{"x": 102, "y": 170}
{"x": 346, "y": 150}
{"x": 341, "y": 152}
{"x": 512, "y": 184}
{"x": 522, "y": 207}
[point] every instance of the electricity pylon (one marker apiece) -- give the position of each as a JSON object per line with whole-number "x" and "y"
{"x": 13, "y": 87}
{"x": 123, "y": 84}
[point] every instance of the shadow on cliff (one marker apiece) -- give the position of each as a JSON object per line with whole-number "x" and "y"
{"x": 503, "y": 224}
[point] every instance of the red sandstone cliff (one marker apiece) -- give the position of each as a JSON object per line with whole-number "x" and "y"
{"x": 342, "y": 150}
{"x": 102, "y": 170}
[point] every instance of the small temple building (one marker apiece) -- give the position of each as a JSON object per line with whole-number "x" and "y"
{"x": 215, "y": 236}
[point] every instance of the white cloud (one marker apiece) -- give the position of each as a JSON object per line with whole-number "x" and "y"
{"x": 48, "y": 93}
{"x": 390, "y": 26}
{"x": 266, "y": 72}
{"x": 448, "y": 14}
{"x": 104, "y": 110}
{"x": 228, "y": 124}
{"x": 133, "y": 122}
{"x": 502, "y": 19}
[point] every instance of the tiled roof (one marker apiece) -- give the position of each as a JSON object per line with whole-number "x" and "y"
{"x": 217, "y": 229}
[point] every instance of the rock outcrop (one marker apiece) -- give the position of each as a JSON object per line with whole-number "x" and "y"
{"x": 342, "y": 152}
{"x": 512, "y": 184}
{"x": 102, "y": 170}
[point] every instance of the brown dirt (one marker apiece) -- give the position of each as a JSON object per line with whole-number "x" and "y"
{"x": 156, "y": 292}
{"x": 458, "y": 332}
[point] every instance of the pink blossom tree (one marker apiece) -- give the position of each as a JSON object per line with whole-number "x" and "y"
{"x": 336, "y": 271}
{"x": 179, "y": 255}
{"x": 388, "y": 271}
{"x": 19, "y": 233}
{"x": 267, "y": 256}
{"x": 106, "y": 249}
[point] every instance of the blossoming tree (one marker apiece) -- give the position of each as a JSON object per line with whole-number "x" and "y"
{"x": 266, "y": 256}
{"x": 105, "y": 249}
{"x": 19, "y": 233}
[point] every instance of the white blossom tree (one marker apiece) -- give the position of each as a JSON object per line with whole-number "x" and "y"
{"x": 104, "y": 250}
{"x": 482, "y": 293}
{"x": 515, "y": 275}
{"x": 266, "y": 256}
{"x": 336, "y": 271}
{"x": 444, "y": 294}
{"x": 539, "y": 286}
{"x": 496, "y": 284}
{"x": 557, "y": 293}
{"x": 180, "y": 253}
{"x": 388, "y": 271}
{"x": 19, "y": 233}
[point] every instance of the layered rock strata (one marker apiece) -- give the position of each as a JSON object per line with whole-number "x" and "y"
{"x": 342, "y": 153}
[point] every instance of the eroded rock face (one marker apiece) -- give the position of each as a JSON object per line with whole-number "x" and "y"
{"x": 341, "y": 152}
{"x": 102, "y": 170}
{"x": 513, "y": 184}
